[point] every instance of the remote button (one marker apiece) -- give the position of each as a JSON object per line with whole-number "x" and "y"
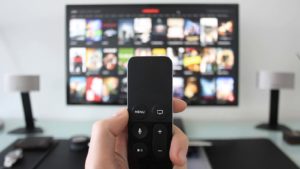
{"x": 139, "y": 131}
{"x": 159, "y": 141}
{"x": 140, "y": 150}
{"x": 139, "y": 112}
{"x": 159, "y": 152}
{"x": 159, "y": 112}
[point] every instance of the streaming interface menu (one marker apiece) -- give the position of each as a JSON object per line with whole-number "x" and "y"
{"x": 201, "y": 41}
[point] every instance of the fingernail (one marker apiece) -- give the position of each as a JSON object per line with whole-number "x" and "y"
{"x": 182, "y": 155}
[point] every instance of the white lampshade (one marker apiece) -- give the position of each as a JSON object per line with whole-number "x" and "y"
{"x": 275, "y": 80}
{"x": 21, "y": 83}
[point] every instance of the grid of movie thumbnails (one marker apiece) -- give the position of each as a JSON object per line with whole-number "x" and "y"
{"x": 200, "y": 49}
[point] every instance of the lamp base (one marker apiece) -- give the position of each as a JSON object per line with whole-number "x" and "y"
{"x": 279, "y": 127}
{"x": 26, "y": 131}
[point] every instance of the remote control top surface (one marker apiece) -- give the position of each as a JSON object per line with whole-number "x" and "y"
{"x": 150, "y": 112}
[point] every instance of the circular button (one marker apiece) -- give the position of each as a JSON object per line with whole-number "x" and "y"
{"x": 139, "y": 111}
{"x": 140, "y": 150}
{"x": 139, "y": 131}
{"x": 159, "y": 111}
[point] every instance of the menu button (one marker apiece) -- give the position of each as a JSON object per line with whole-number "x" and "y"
{"x": 139, "y": 112}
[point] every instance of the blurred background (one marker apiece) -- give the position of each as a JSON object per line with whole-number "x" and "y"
{"x": 32, "y": 41}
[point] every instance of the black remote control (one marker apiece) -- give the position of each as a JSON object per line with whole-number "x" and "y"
{"x": 150, "y": 112}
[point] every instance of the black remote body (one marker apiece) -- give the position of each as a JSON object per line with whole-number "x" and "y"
{"x": 150, "y": 112}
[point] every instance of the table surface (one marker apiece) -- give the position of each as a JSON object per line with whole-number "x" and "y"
{"x": 194, "y": 129}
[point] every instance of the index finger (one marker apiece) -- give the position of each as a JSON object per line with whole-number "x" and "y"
{"x": 178, "y": 105}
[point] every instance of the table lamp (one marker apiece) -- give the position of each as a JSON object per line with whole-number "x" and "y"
{"x": 274, "y": 81}
{"x": 24, "y": 84}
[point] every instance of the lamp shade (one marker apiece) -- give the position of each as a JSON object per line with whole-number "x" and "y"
{"x": 275, "y": 80}
{"x": 21, "y": 83}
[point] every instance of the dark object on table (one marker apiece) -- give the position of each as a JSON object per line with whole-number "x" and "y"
{"x": 79, "y": 143}
{"x": 292, "y": 137}
{"x": 247, "y": 154}
{"x": 24, "y": 84}
{"x": 31, "y": 158}
{"x": 34, "y": 143}
{"x": 274, "y": 81}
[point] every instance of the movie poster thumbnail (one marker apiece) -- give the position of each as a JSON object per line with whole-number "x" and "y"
{"x": 191, "y": 32}
{"x": 176, "y": 55}
{"x": 142, "y": 30}
{"x": 175, "y": 33}
{"x": 208, "y": 64}
{"x": 191, "y": 90}
{"x": 225, "y": 89}
{"x": 225, "y": 61}
{"x": 191, "y": 61}
{"x": 93, "y": 61}
{"x": 77, "y": 60}
{"x": 225, "y": 30}
{"x": 178, "y": 87}
{"x": 93, "y": 31}
{"x": 77, "y": 29}
{"x": 77, "y": 87}
{"x": 110, "y": 89}
{"x": 110, "y": 32}
{"x": 208, "y": 89}
{"x": 208, "y": 31}
{"x": 109, "y": 62}
{"x": 94, "y": 89}
{"x": 159, "y": 31}
{"x": 125, "y": 32}
{"x": 124, "y": 55}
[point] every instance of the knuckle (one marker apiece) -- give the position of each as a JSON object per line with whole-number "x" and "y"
{"x": 99, "y": 125}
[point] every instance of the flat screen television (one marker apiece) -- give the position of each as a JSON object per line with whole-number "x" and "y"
{"x": 200, "y": 39}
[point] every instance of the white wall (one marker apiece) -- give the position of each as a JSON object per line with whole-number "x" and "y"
{"x": 32, "y": 40}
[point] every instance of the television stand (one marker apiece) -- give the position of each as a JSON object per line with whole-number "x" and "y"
{"x": 179, "y": 123}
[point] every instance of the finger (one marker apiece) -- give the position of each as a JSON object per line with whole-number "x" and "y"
{"x": 121, "y": 144}
{"x": 103, "y": 140}
{"x": 178, "y": 105}
{"x": 179, "y": 147}
{"x": 118, "y": 123}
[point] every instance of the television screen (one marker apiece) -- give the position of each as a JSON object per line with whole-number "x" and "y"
{"x": 200, "y": 39}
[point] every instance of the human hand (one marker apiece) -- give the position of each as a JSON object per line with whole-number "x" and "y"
{"x": 108, "y": 146}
